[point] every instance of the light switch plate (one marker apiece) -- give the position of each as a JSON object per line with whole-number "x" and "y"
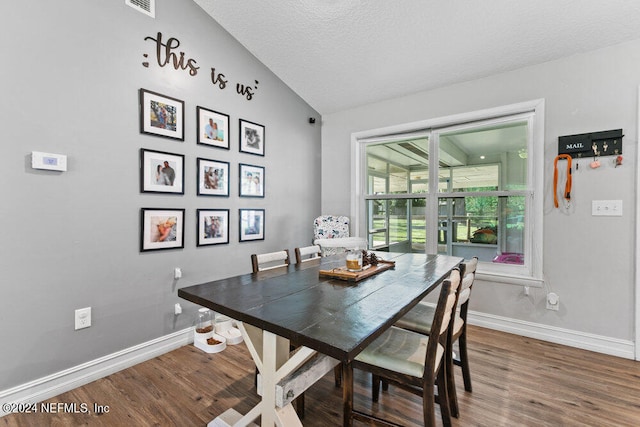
{"x": 606, "y": 207}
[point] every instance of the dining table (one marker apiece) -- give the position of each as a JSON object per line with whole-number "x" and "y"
{"x": 330, "y": 320}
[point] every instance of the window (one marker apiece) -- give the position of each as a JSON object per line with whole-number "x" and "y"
{"x": 395, "y": 170}
{"x": 465, "y": 189}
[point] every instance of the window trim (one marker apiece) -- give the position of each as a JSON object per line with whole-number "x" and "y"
{"x": 535, "y": 176}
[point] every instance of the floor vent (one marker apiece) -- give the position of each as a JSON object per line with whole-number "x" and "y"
{"x": 148, "y": 7}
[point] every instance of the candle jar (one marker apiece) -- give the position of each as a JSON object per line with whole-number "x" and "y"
{"x": 354, "y": 259}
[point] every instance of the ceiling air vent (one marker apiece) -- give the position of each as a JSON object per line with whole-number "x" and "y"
{"x": 148, "y": 7}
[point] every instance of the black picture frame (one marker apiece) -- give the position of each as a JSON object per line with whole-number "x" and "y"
{"x": 213, "y": 227}
{"x": 252, "y": 222}
{"x": 251, "y": 180}
{"x": 251, "y": 137}
{"x": 161, "y": 115}
{"x": 213, "y": 128}
{"x": 161, "y": 228}
{"x": 161, "y": 172}
{"x": 213, "y": 177}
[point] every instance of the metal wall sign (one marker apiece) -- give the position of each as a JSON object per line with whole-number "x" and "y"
{"x": 605, "y": 143}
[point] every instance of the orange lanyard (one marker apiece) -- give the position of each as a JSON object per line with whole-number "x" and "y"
{"x": 567, "y": 187}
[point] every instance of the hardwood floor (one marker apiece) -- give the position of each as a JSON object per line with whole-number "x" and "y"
{"x": 517, "y": 381}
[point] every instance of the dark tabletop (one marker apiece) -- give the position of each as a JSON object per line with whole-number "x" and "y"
{"x": 332, "y": 316}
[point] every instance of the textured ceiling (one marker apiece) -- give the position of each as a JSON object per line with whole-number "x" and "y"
{"x": 339, "y": 54}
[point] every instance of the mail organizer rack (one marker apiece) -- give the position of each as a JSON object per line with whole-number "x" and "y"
{"x": 605, "y": 143}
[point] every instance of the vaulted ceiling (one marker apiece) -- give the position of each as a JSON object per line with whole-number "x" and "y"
{"x": 339, "y": 54}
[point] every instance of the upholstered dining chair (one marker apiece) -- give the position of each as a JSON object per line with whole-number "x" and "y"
{"x": 307, "y": 253}
{"x": 419, "y": 319}
{"x": 412, "y": 361}
{"x": 270, "y": 261}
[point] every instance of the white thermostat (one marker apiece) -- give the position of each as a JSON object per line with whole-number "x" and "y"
{"x": 49, "y": 161}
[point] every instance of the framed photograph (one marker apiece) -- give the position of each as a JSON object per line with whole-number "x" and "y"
{"x": 161, "y": 172}
{"x": 213, "y": 178}
{"x": 213, "y": 227}
{"x": 251, "y": 179}
{"x": 161, "y": 229}
{"x": 251, "y": 138}
{"x": 251, "y": 224}
{"x": 213, "y": 128}
{"x": 161, "y": 115}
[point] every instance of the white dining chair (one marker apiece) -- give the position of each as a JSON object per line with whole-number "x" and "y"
{"x": 307, "y": 253}
{"x": 270, "y": 260}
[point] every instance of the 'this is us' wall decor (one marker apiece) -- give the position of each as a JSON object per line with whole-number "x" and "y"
{"x": 167, "y": 54}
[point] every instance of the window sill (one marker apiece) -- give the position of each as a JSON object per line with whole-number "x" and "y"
{"x": 474, "y": 244}
{"x": 510, "y": 279}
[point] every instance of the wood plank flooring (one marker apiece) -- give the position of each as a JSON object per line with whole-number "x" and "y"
{"x": 517, "y": 381}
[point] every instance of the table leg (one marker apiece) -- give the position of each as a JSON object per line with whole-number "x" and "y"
{"x": 347, "y": 394}
{"x": 270, "y": 353}
{"x": 268, "y": 379}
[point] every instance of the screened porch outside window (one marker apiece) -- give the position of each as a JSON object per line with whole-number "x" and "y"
{"x": 472, "y": 199}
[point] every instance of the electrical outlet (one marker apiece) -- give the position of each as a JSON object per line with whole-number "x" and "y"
{"x": 553, "y": 301}
{"x": 83, "y": 318}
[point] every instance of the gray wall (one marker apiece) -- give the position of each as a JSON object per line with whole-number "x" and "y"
{"x": 70, "y": 76}
{"x": 589, "y": 261}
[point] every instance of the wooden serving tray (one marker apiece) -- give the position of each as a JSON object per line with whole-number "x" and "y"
{"x": 354, "y": 276}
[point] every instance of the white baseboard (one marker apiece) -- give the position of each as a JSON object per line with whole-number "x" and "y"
{"x": 63, "y": 381}
{"x": 577, "y": 339}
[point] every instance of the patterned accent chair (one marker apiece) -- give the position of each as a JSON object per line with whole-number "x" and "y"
{"x": 331, "y": 233}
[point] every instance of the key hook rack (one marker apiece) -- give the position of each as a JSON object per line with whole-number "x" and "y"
{"x": 594, "y": 144}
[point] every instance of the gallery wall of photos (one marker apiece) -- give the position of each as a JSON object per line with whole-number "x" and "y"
{"x": 164, "y": 172}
